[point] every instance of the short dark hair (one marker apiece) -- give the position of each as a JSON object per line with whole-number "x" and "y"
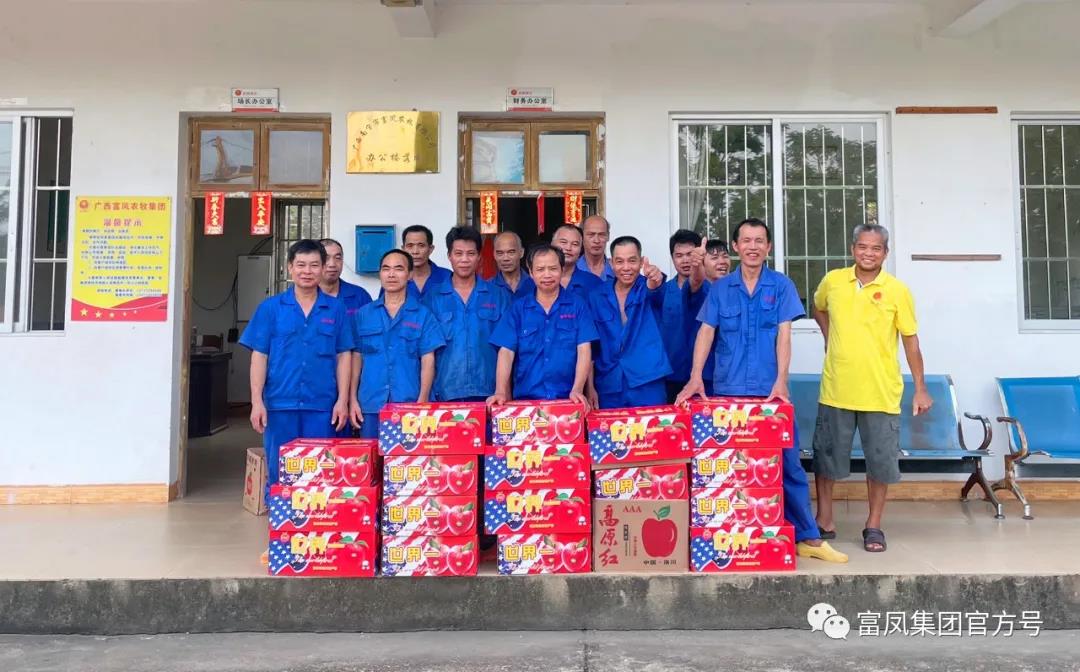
{"x": 544, "y": 248}
{"x": 466, "y": 233}
{"x": 752, "y": 221}
{"x": 305, "y": 246}
{"x": 408, "y": 257}
{"x": 330, "y": 241}
{"x": 625, "y": 240}
{"x": 683, "y": 237}
{"x": 572, "y": 227}
{"x": 716, "y": 245}
{"x": 418, "y": 228}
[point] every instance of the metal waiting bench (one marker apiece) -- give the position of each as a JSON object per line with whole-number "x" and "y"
{"x": 1042, "y": 416}
{"x": 930, "y": 443}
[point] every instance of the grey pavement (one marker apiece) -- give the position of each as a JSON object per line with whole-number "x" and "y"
{"x": 592, "y": 651}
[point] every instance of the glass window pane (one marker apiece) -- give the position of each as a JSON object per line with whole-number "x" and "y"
{"x": 736, "y": 155}
{"x": 227, "y": 156}
{"x": 758, "y": 149}
{"x": 5, "y": 155}
{"x": 693, "y": 155}
{"x": 1053, "y": 153}
{"x": 1071, "y": 139}
{"x": 3, "y": 289}
{"x": 832, "y": 154}
{"x": 1059, "y": 290}
{"x": 1038, "y": 290}
{"x": 794, "y": 171}
{"x": 835, "y": 236}
{"x": 1055, "y": 222}
{"x": 795, "y": 230}
{"x": 59, "y": 294}
{"x": 296, "y": 157}
{"x": 564, "y": 157}
{"x": 1031, "y": 149}
{"x": 718, "y": 156}
{"x": 65, "y": 152}
{"x": 1036, "y": 223}
{"x": 48, "y": 132}
{"x": 498, "y": 157}
{"x": 41, "y": 296}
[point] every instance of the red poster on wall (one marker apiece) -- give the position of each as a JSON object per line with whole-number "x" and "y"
{"x": 572, "y": 201}
{"x": 214, "y": 213}
{"x": 489, "y": 212}
{"x": 260, "y": 213}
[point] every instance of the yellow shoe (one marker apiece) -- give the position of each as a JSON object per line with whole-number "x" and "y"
{"x": 264, "y": 559}
{"x": 823, "y": 552}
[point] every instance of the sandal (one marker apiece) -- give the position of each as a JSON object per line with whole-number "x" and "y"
{"x": 825, "y": 534}
{"x": 873, "y": 540}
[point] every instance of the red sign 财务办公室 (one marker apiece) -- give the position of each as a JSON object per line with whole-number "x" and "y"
{"x": 430, "y": 475}
{"x": 737, "y": 468}
{"x": 531, "y": 422}
{"x": 731, "y": 422}
{"x": 743, "y": 549}
{"x": 432, "y": 429}
{"x": 625, "y": 436}
{"x": 536, "y": 466}
{"x": 301, "y": 508}
{"x": 328, "y": 462}
{"x": 659, "y": 481}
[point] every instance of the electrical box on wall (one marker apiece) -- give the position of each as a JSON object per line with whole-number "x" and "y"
{"x": 371, "y": 243}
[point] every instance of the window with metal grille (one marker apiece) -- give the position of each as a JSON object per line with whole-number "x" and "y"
{"x": 35, "y": 192}
{"x": 1049, "y": 179}
{"x": 294, "y": 220}
{"x": 826, "y": 181}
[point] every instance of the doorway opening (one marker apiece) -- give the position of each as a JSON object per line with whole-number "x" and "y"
{"x": 236, "y": 163}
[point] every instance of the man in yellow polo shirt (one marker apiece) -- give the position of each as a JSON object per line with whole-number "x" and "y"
{"x": 861, "y": 311}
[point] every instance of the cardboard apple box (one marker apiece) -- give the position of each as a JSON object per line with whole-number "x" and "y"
{"x": 322, "y": 553}
{"x": 536, "y": 466}
{"x": 719, "y": 507}
{"x": 405, "y": 475}
{"x": 737, "y": 468}
{"x": 743, "y": 549}
{"x": 660, "y": 481}
{"x": 640, "y": 535}
{"x": 630, "y": 436}
{"x": 737, "y": 422}
{"x": 450, "y": 515}
{"x": 424, "y": 555}
{"x": 549, "y": 510}
{"x": 255, "y": 481}
{"x": 521, "y": 554}
{"x": 432, "y": 429}
{"x": 521, "y": 422}
{"x": 302, "y": 508}
{"x": 349, "y": 462}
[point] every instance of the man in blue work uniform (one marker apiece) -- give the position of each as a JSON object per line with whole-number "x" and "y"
{"x": 550, "y": 336}
{"x": 749, "y": 313}
{"x": 353, "y": 296}
{"x": 396, "y": 339}
{"x": 511, "y": 276}
{"x": 300, "y": 341}
{"x": 681, "y": 299}
{"x": 467, "y": 309}
{"x": 569, "y": 239}
{"x": 629, "y": 361}
{"x": 596, "y": 230}
{"x": 426, "y": 275}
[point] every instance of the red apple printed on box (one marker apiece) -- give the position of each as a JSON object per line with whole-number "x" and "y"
{"x": 660, "y": 535}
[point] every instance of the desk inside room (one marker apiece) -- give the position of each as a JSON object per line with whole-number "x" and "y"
{"x": 208, "y": 391}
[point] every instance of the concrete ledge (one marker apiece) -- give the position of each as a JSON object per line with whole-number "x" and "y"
{"x": 601, "y": 602}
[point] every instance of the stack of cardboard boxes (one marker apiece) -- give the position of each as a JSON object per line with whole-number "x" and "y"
{"x": 737, "y": 497}
{"x": 430, "y": 472}
{"x": 641, "y": 509}
{"x": 536, "y": 488}
{"x": 323, "y": 513}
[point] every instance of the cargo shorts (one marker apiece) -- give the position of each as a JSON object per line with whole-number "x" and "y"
{"x": 879, "y": 434}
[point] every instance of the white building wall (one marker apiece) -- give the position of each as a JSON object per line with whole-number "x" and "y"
{"x": 98, "y": 404}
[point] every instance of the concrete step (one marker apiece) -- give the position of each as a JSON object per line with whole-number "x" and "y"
{"x": 568, "y": 602}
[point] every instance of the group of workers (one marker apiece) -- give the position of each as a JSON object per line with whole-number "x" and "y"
{"x": 572, "y": 322}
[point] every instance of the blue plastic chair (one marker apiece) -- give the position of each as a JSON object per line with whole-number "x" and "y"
{"x": 931, "y": 442}
{"x": 1043, "y": 418}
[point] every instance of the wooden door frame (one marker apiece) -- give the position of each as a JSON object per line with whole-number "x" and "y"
{"x": 549, "y": 121}
{"x": 189, "y": 189}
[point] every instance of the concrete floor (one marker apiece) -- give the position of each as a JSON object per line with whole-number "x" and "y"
{"x": 208, "y": 534}
{"x": 674, "y": 651}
